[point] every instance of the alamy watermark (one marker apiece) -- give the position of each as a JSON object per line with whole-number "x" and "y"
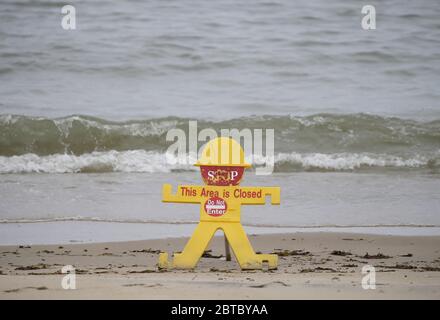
{"x": 258, "y": 145}
{"x": 68, "y": 21}
{"x": 369, "y": 20}
{"x": 69, "y": 280}
{"x": 369, "y": 280}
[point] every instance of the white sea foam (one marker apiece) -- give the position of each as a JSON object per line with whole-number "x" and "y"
{"x": 124, "y": 161}
{"x": 152, "y": 161}
{"x": 348, "y": 161}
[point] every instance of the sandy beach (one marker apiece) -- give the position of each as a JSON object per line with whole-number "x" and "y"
{"x": 109, "y": 116}
{"x": 311, "y": 265}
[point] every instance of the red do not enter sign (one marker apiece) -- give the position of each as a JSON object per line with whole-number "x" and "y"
{"x": 215, "y": 206}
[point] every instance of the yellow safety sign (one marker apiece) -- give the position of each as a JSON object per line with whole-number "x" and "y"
{"x": 222, "y": 165}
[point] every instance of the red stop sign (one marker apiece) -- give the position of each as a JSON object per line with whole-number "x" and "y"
{"x": 222, "y": 175}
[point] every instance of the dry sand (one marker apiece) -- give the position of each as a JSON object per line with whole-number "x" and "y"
{"x": 311, "y": 265}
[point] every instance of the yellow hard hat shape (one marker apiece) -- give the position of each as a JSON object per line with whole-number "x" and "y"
{"x": 222, "y": 151}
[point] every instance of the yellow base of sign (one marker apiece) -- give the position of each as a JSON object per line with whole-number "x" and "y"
{"x": 234, "y": 232}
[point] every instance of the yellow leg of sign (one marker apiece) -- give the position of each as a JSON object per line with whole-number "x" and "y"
{"x": 237, "y": 239}
{"x": 195, "y": 246}
{"x": 243, "y": 251}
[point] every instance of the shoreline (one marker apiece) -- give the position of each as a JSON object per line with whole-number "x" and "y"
{"x": 70, "y": 232}
{"x": 311, "y": 265}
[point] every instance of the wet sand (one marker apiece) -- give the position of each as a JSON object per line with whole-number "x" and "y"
{"x": 311, "y": 265}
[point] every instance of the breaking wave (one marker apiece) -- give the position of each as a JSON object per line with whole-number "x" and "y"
{"x": 154, "y": 162}
{"x": 324, "y": 142}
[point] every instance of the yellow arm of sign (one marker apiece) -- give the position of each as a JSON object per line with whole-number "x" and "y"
{"x": 183, "y": 194}
{"x": 273, "y": 192}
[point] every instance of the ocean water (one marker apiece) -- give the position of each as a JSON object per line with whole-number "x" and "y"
{"x": 84, "y": 113}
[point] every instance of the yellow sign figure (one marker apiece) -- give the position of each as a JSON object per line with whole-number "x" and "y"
{"x": 222, "y": 165}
